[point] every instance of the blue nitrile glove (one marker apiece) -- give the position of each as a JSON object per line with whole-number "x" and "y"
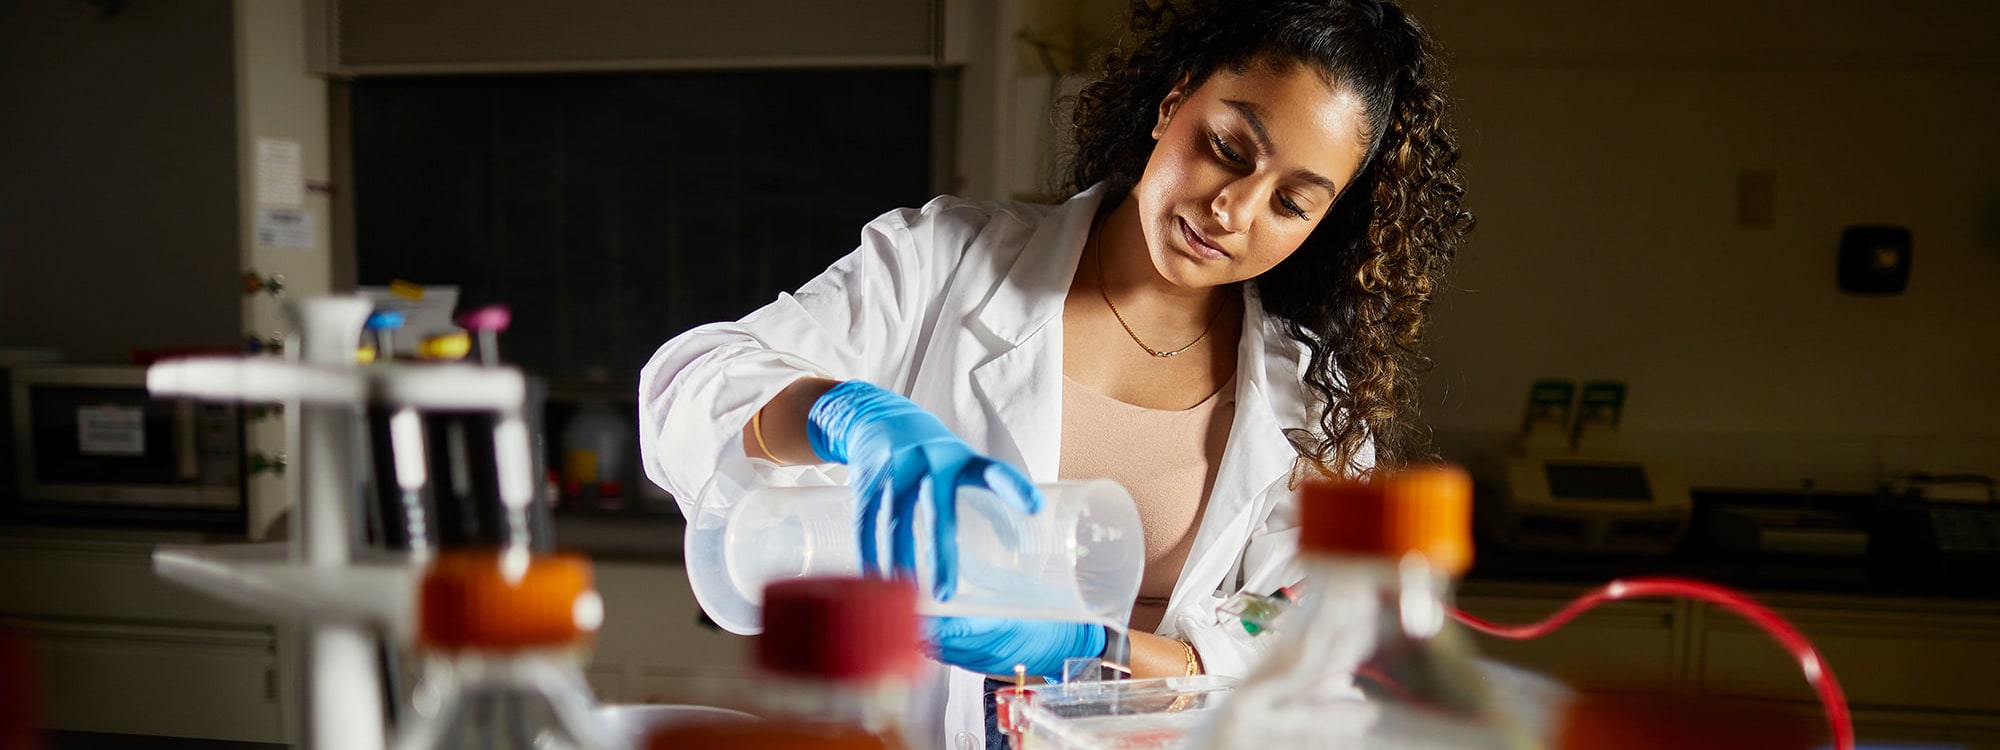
{"x": 899, "y": 451}
{"x": 992, "y": 645}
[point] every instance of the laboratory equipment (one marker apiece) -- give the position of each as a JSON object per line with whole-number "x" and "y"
{"x": 838, "y": 658}
{"x": 501, "y": 633}
{"x": 1781, "y": 530}
{"x": 1570, "y": 503}
{"x": 596, "y": 451}
{"x": 1151, "y": 714}
{"x": 399, "y": 516}
{"x": 1077, "y": 560}
{"x": 343, "y": 597}
{"x": 89, "y": 441}
{"x": 381, "y": 327}
{"x": 1373, "y": 661}
{"x": 1570, "y": 486}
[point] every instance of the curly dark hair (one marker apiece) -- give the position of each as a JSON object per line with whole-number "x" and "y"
{"x": 1358, "y": 292}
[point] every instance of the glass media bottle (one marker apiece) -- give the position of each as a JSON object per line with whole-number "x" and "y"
{"x": 1370, "y": 658}
{"x": 501, "y": 635}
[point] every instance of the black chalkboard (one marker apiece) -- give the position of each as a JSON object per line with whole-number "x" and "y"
{"x": 614, "y": 211}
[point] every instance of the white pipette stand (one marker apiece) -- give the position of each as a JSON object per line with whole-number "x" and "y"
{"x": 343, "y": 597}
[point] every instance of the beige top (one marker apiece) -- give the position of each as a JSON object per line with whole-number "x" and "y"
{"x": 1166, "y": 459}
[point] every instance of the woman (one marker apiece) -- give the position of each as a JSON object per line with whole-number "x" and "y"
{"x": 1265, "y": 200}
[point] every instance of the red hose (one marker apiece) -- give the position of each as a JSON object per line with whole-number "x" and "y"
{"x": 1818, "y": 674}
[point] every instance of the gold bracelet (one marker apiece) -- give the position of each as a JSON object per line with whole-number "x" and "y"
{"x": 757, "y": 430}
{"x": 1193, "y": 668}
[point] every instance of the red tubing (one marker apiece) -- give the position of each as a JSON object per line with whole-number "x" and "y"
{"x": 1817, "y": 672}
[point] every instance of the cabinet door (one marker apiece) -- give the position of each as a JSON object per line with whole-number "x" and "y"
{"x": 169, "y": 681}
{"x": 1622, "y": 647}
{"x": 1937, "y": 660}
{"x": 652, "y": 622}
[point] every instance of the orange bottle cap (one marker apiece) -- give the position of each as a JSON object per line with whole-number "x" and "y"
{"x": 1425, "y": 509}
{"x": 471, "y": 599}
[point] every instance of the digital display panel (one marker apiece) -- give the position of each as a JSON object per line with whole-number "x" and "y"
{"x": 1598, "y": 482}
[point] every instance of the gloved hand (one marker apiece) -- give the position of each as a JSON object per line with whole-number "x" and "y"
{"x": 991, "y": 645}
{"x": 900, "y": 452}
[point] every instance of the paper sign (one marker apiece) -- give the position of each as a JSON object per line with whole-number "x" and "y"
{"x": 279, "y": 181}
{"x": 295, "y": 228}
{"x": 111, "y": 430}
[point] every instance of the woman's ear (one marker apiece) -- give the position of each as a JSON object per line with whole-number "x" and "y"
{"x": 1168, "y": 105}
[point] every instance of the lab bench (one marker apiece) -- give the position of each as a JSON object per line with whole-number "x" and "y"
{"x": 121, "y": 651}
{"x": 124, "y": 651}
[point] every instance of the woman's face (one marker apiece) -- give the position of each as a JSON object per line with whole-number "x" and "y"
{"x": 1245, "y": 167}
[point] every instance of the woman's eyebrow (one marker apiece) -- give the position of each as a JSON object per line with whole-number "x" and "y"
{"x": 1263, "y": 138}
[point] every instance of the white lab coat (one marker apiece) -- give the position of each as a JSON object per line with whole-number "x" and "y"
{"x": 958, "y": 306}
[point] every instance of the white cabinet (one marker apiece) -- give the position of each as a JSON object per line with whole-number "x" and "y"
{"x": 1912, "y": 669}
{"x": 1624, "y": 647}
{"x": 1925, "y": 656}
{"x": 654, "y": 646}
{"x": 209, "y": 683}
{"x": 119, "y": 650}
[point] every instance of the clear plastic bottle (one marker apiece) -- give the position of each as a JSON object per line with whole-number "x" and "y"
{"x": 1370, "y": 657}
{"x": 836, "y": 661}
{"x": 501, "y": 634}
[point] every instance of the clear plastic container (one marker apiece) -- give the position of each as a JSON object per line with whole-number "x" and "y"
{"x": 1155, "y": 714}
{"x": 1078, "y": 560}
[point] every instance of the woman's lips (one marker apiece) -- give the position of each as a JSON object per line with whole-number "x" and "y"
{"x": 1199, "y": 244}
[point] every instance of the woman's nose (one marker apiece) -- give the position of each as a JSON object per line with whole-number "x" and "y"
{"x": 1232, "y": 206}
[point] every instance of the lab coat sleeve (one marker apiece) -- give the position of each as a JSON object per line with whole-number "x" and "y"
{"x": 857, "y": 320}
{"x": 1270, "y": 562}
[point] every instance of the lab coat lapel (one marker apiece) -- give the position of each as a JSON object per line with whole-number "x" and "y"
{"x": 1258, "y": 460}
{"x": 1020, "y": 385}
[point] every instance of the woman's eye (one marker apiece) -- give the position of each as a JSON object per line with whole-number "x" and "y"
{"x": 1291, "y": 208}
{"x": 1222, "y": 149}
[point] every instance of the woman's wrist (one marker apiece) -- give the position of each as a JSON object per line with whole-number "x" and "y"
{"x": 778, "y": 430}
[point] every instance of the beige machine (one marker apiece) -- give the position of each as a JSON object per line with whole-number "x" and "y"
{"x": 1571, "y": 487}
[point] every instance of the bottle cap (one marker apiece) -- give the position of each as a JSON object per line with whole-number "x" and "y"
{"x": 381, "y": 320}
{"x": 488, "y": 318}
{"x": 1425, "y": 509}
{"x": 840, "y": 628}
{"x": 454, "y": 345}
{"x": 488, "y": 600}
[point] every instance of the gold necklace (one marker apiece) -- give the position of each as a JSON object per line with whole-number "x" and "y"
{"x": 1102, "y": 292}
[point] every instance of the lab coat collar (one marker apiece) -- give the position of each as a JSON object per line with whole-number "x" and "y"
{"x": 1019, "y": 390}
{"x": 1033, "y": 290}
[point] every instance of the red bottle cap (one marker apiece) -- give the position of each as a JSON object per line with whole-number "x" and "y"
{"x": 840, "y": 629}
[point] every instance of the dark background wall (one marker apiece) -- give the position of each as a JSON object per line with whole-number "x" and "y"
{"x": 118, "y": 177}
{"x": 614, "y": 211}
